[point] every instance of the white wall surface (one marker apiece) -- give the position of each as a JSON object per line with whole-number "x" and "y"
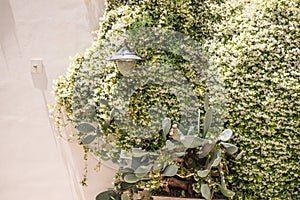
{"x": 31, "y": 166}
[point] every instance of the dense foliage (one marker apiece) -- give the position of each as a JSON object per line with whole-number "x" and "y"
{"x": 258, "y": 50}
{"x": 255, "y": 44}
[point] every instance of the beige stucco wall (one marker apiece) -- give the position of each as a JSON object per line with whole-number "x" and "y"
{"x": 31, "y": 165}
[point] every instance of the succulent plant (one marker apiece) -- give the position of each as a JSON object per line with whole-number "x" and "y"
{"x": 189, "y": 164}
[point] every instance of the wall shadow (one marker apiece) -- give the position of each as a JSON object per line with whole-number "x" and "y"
{"x": 8, "y": 37}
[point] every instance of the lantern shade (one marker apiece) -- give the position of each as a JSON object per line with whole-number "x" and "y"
{"x": 125, "y": 59}
{"x": 125, "y": 54}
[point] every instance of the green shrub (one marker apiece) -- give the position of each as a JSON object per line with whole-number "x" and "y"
{"x": 258, "y": 50}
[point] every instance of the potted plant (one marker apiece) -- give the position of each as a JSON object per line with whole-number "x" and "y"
{"x": 190, "y": 164}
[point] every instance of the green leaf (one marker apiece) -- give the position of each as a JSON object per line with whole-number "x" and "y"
{"x": 145, "y": 159}
{"x": 203, "y": 173}
{"x": 126, "y": 170}
{"x": 106, "y": 195}
{"x": 89, "y": 139}
{"x": 226, "y": 192}
{"x": 126, "y": 186}
{"x": 216, "y": 162}
{"x": 192, "y": 141}
{"x": 230, "y": 148}
{"x": 85, "y": 127}
{"x": 179, "y": 154}
{"x": 170, "y": 145}
{"x": 131, "y": 178}
{"x": 182, "y": 130}
{"x": 226, "y": 135}
{"x": 164, "y": 166}
{"x": 166, "y": 125}
{"x": 113, "y": 113}
{"x": 207, "y": 121}
{"x": 138, "y": 152}
{"x": 191, "y": 130}
{"x": 217, "y": 159}
{"x": 125, "y": 197}
{"x": 141, "y": 175}
{"x": 171, "y": 170}
{"x": 206, "y": 149}
{"x": 143, "y": 169}
{"x": 206, "y": 102}
{"x": 205, "y": 191}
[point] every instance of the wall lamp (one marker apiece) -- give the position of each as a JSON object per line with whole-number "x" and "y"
{"x": 125, "y": 59}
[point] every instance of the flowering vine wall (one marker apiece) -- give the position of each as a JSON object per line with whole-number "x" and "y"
{"x": 255, "y": 47}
